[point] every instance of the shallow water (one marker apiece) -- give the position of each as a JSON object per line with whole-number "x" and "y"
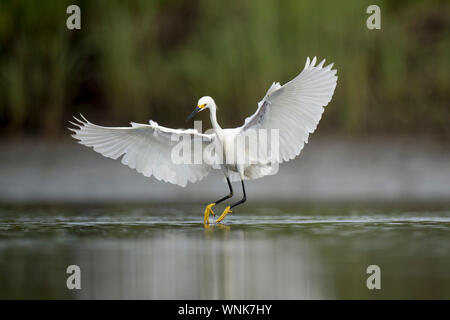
{"x": 260, "y": 252}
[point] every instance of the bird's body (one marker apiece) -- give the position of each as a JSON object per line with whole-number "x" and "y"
{"x": 236, "y": 169}
{"x": 275, "y": 133}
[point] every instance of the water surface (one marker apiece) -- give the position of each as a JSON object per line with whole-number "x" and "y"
{"x": 262, "y": 251}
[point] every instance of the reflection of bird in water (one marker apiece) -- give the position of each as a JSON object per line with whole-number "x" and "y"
{"x": 209, "y": 228}
{"x": 294, "y": 110}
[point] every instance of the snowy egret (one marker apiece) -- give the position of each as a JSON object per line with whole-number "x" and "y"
{"x": 293, "y": 109}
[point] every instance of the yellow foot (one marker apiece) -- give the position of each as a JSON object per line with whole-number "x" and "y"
{"x": 225, "y": 212}
{"x": 208, "y": 211}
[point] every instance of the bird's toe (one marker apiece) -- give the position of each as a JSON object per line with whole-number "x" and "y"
{"x": 224, "y": 213}
{"x": 208, "y": 211}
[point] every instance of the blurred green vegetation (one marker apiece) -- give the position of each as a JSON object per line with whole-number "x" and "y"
{"x": 139, "y": 60}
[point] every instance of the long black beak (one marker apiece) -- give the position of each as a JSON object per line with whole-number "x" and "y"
{"x": 196, "y": 110}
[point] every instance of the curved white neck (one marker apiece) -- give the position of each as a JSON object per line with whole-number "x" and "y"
{"x": 212, "y": 116}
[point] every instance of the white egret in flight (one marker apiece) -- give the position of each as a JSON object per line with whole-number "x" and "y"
{"x": 294, "y": 109}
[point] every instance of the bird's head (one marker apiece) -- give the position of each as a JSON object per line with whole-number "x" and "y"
{"x": 202, "y": 104}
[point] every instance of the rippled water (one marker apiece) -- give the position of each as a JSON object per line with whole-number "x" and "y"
{"x": 261, "y": 251}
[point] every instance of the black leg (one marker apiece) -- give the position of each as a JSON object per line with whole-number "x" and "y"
{"x": 243, "y": 198}
{"x": 227, "y": 196}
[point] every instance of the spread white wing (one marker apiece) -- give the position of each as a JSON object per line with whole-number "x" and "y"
{"x": 146, "y": 148}
{"x": 295, "y": 108}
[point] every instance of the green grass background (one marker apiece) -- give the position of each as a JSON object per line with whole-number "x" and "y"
{"x": 139, "y": 60}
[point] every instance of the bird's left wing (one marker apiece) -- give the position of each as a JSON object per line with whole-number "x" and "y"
{"x": 295, "y": 108}
{"x": 146, "y": 148}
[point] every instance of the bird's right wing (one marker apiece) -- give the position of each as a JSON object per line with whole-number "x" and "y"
{"x": 295, "y": 108}
{"x": 146, "y": 148}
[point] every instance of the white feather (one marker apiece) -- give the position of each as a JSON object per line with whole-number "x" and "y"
{"x": 295, "y": 108}
{"x": 145, "y": 147}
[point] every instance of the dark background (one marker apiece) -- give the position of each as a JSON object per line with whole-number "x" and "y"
{"x": 140, "y": 60}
